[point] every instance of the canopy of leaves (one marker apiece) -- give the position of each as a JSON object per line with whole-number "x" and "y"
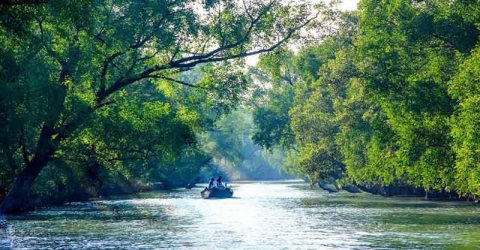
{"x": 394, "y": 100}
{"x": 100, "y": 81}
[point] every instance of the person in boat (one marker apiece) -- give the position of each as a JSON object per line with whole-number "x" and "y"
{"x": 215, "y": 184}
{"x": 220, "y": 184}
{"x": 212, "y": 184}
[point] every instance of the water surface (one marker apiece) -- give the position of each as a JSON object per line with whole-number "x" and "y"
{"x": 268, "y": 215}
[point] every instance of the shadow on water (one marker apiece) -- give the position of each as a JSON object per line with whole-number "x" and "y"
{"x": 119, "y": 207}
{"x": 5, "y": 242}
{"x": 430, "y": 218}
{"x": 123, "y": 210}
{"x": 112, "y": 222}
{"x": 397, "y": 222}
{"x": 364, "y": 200}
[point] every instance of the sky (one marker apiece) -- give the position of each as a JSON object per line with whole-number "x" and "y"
{"x": 349, "y": 4}
{"x": 345, "y": 5}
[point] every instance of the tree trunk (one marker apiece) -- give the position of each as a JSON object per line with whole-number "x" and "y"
{"x": 17, "y": 199}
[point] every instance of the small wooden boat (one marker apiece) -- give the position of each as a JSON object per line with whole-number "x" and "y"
{"x": 217, "y": 193}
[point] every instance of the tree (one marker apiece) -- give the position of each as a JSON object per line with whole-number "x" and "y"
{"x": 80, "y": 58}
{"x": 386, "y": 99}
{"x": 377, "y": 108}
{"x": 464, "y": 88}
{"x": 407, "y": 52}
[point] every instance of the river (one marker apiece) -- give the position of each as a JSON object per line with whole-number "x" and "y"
{"x": 262, "y": 215}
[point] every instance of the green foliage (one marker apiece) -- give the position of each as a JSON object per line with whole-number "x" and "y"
{"x": 407, "y": 71}
{"x": 464, "y": 88}
{"x": 100, "y": 84}
{"x": 273, "y": 121}
{"x": 235, "y": 154}
{"x": 272, "y": 100}
{"x": 390, "y": 98}
{"x": 314, "y": 122}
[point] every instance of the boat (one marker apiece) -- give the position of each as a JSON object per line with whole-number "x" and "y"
{"x": 217, "y": 193}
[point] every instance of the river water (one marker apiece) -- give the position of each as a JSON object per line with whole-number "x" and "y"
{"x": 262, "y": 215}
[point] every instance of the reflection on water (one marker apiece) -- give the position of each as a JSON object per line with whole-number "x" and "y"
{"x": 270, "y": 215}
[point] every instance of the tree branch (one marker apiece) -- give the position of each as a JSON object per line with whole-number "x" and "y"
{"x": 176, "y": 81}
{"x": 229, "y": 46}
{"x": 106, "y": 63}
{"x": 103, "y": 104}
{"x": 191, "y": 61}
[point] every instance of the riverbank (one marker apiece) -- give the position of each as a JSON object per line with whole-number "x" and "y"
{"x": 128, "y": 188}
{"x": 83, "y": 193}
{"x": 397, "y": 190}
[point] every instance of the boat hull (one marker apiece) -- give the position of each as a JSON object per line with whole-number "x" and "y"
{"x": 216, "y": 193}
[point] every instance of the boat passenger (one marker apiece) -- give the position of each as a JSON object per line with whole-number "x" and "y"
{"x": 214, "y": 184}
{"x": 211, "y": 184}
{"x": 220, "y": 183}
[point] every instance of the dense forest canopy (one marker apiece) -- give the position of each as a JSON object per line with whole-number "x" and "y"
{"x": 101, "y": 95}
{"x": 94, "y": 88}
{"x": 389, "y": 100}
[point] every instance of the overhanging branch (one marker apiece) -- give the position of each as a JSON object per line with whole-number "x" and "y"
{"x": 192, "y": 61}
{"x": 175, "y": 80}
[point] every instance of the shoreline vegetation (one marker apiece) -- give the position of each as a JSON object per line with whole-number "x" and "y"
{"x": 102, "y": 97}
{"x": 130, "y": 189}
{"x": 102, "y": 91}
{"x": 389, "y": 103}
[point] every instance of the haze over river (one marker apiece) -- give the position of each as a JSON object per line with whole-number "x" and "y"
{"x": 262, "y": 215}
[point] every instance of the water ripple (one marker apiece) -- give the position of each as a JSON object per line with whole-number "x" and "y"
{"x": 273, "y": 215}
